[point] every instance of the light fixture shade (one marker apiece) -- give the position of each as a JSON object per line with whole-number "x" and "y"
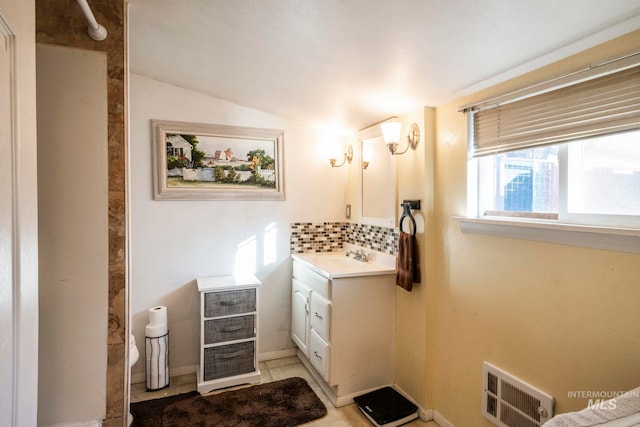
{"x": 391, "y": 131}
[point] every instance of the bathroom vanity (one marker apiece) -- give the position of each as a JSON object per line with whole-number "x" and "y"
{"x": 343, "y": 314}
{"x": 228, "y": 332}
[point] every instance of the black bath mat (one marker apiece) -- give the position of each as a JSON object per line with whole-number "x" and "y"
{"x": 149, "y": 412}
{"x": 284, "y": 403}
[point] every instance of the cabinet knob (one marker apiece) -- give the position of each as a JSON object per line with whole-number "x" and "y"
{"x": 315, "y": 353}
{"x": 317, "y": 315}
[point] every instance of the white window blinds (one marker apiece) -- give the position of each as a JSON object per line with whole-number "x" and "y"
{"x": 606, "y": 104}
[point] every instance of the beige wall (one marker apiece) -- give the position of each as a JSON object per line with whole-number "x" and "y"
{"x": 60, "y": 22}
{"x": 562, "y": 318}
{"x": 414, "y": 171}
{"x": 73, "y": 234}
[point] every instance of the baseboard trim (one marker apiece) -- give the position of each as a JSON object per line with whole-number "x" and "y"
{"x": 185, "y": 370}
{"x": 279, "y": 354}
{"x": 425, "y": 414}
{"x": 173, "y": 372}
{"x": 440, "y": 420}
{"x": 137, "y": 378}
{"x": 90, "y": 423}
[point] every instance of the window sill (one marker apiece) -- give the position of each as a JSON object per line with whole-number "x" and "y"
{"x": 612, "y": 239}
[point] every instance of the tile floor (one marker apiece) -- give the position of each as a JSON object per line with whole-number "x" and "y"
{"x": 274, "y": 370}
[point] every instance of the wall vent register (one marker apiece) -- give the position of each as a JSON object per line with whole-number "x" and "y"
{"x": 510, "y": 402}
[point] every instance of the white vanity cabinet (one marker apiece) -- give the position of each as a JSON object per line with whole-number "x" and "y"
{"x": 344, "y": 329}
{"x": 228, "y": 332}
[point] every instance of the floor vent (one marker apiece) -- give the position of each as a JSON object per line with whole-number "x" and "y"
{"x": 510, "y": 402}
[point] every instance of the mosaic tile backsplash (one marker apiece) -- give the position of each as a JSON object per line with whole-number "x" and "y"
{"x": 331, "y": 237}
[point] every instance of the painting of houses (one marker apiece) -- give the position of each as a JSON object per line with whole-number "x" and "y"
{"x": 197, "y": 161}
{"x": 178, "y": 146}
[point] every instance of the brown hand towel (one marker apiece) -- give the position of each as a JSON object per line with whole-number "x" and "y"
{"x": 407, "y": 262}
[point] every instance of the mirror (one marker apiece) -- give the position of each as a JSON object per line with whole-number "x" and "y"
{"x": 378, "y": 183}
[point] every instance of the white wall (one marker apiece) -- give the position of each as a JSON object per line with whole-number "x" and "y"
{"x": 174, "y": 242}
{"x": 73, "y": 234}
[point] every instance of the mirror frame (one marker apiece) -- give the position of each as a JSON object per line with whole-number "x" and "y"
{"x": 390, "y": 222}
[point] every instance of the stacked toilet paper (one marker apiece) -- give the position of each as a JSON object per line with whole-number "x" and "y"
{"x": 157, "y": 349}
{"x": 157, "y": 326}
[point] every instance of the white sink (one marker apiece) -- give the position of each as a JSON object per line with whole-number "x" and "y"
{"x": 336, "y": 265}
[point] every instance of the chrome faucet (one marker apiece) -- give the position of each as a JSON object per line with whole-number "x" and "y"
{"x": 359, "y": 255}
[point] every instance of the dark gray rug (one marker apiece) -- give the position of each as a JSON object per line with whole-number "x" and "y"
{"x": 284, "y": 403}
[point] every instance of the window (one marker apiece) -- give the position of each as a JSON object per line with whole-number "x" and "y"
{"x": 603, "y": 175}
{"x": 591, "y": 181}
{"x": 569, "y": 155}
{"x": 521, "y": 182}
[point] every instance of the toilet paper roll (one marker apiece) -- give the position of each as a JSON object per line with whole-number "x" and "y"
{"x": 154, "y": 331}
{"x": 158, "y": 315}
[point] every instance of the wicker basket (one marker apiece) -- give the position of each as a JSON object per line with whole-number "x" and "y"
{"x": 228, "y": 303}
{"x": 229, "y": 329}
{"x": 229, "y": 360}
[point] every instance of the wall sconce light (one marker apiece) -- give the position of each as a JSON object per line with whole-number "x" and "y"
{"x": 391, "y": 132}
{"x": 348, "y": 157}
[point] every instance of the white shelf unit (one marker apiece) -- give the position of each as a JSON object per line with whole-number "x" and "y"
{"x": 228, "y": 332}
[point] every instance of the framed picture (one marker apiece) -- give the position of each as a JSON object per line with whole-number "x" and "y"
{"x": 195, "y": 161}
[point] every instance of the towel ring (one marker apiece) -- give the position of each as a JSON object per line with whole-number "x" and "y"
{"x": 406, "y": 213}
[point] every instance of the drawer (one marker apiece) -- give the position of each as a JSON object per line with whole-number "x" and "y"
{"x": 228, "y": 360}
{"x": 229, "y": 329}
{"x": 229, "y": 302}
{"x": 312, "y": 279}
{"x": 319, "y": 355}
{"x": 320, "y": 315}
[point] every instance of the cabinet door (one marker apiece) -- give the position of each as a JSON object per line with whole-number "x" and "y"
{"x": 300, "y": 316}
{"x": 320, "y": 315}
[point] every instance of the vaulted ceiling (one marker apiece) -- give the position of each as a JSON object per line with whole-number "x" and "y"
{"x": 349, "y": 63}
